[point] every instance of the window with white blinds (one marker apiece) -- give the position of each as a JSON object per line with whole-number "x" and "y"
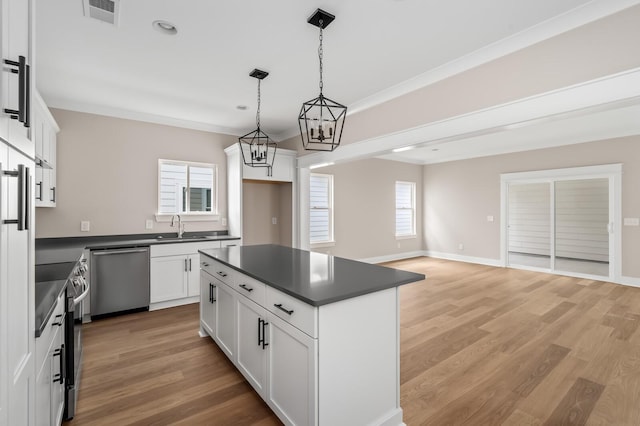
{"x": 320, "y": 208}
{"x": 186, "y": 187}
{"x": 405, "y": 209}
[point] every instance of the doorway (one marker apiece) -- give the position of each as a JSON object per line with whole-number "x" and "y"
{"x": 563, "y": 221}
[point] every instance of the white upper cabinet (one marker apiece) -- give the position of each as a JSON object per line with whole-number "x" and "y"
{"x": 44, "y": 131}
{"x": 283, "y": 170}
{"x": 17, "y": 75}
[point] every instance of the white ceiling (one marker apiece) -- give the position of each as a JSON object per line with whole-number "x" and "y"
{"x": 198, "y": 77}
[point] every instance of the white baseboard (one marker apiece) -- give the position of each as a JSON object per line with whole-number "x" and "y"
{"x": 630, "y": 281}
{"x": 173, "y": 303}
{"x": 392, "y": 257}
{"x": 462, "y": 258}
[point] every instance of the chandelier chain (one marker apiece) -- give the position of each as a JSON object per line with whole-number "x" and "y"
{"x": 258, "y": 110}
{"x": 320, "y": 52}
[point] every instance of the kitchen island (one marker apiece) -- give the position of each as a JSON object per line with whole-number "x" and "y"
{"x": 317, "y": 336}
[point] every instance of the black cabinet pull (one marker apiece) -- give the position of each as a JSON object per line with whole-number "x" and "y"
{"x": 245, "y": 287}
{"x": 59, "y": 378}
{"x": 205, "y": 264}
{"x": 262, "y": 336}
{"x": 53, "y": 194}
{"x": 189, "y": 264}
{"x": 185, "y": 265}
{"x": 279, "y": 306}
{"x": 222, "y": 274}
{"x": 23, "y": 71}
{"x": 58, "y": 320}
{"x": 211, "y": 293}
{"x": 39, "y": 185}
{"x": 24, "y": 192}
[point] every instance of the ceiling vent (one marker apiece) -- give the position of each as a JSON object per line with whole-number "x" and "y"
{"x": 102, "y": 10}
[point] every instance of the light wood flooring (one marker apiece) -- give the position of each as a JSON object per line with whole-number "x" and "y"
{"x": 479, "y": 346}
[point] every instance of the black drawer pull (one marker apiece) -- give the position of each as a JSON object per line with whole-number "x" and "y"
{"x": 59, "y": 378}
{"x": 211, "y": 293}
{"x": 279, "y": 306}
{"x": 205, "y": 264}
{"x": 222, "y": 274}
{"x": 244, "y": 287}
{"x": 58, "y": 320}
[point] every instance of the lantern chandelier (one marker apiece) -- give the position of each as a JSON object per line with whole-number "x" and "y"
{"x": 258, "y": 150}
{"x": 321, "y": 120}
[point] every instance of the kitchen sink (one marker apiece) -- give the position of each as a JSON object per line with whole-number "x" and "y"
{"x": 189, "y": 237}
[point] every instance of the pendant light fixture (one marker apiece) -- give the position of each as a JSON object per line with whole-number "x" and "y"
{"x": 321, "y": 120}
{"x": 258, "y": 150}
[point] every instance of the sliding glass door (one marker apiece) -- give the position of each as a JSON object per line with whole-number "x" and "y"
{"x": 562, "y": 224}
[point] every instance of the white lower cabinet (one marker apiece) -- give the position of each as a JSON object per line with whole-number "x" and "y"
{"x": 292, "y": 372}
{"x": 312, "y": 365}
{"x": 174, "y": 272}
{"x": 208, "y": 302}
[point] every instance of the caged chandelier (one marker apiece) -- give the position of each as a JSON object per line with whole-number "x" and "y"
{"x": 321, "y": 120}
{"x": 258, "y": 150}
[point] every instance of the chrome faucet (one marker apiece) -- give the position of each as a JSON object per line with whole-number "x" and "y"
{"x": 180, "y": 226}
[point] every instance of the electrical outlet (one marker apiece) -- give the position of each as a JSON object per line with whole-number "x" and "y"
{"x": 489, "y": 218}
{"x": 460, "y": 246}
{"x": 148, "y": 224}
{"x": 631, "y": 221}
{"x": 85, "y": 226}
{"x": 274, "y": 220}
{"x": 224, "y": 221}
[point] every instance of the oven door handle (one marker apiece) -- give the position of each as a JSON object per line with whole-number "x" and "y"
{"x": 82, "y": 296}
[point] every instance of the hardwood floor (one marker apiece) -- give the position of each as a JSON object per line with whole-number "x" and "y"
{"x": 479, "y": 346}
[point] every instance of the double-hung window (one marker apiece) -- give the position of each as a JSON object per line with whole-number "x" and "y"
{"x": 320, "y": 208}
{"x": 405, "y": 209}
{"x": 187, "y": 188}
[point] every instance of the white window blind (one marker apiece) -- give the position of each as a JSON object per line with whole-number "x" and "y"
{"x": 405, "y": 209}
{"x": 320, "y": 208}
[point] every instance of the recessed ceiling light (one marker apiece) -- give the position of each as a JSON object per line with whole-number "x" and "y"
{"x": 404, "y": 148}
{"x": 165, "y": 27}
{"x": 435, "y": 149}
{"x": 242, "y": 107}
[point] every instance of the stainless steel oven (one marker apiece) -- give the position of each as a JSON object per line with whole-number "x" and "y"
{"x": 77, "y": 291}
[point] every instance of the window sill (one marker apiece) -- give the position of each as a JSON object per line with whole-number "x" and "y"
{"x": 189, "y": 217}
{"x": 323, "y": 244}
{"x": 406, "y": 237}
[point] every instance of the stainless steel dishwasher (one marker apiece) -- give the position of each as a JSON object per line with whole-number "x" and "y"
{"x": 119, "y": 280}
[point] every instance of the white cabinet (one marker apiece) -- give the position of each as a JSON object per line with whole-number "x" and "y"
{"x": 174, "y": 272}
{"x": 292, "y": 373}
{"x": 252, "y": 343}
{"x": 17, "y": 310}
{"x": 208, "y": 303}
{"x": 312, "y": 365}
{"x": 283, "y": 168}
{"x": 15, "y": 87}
{"x": 50, "y": 356}
{"x": 225, "y": 330}
{"x": 44, "y": 133}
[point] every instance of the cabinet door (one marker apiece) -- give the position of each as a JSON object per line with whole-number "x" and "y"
{"x": 193, "y": 273}
{"x": 57, "y": 381}
{"x": 225, "y": 329}
{"x": 208, "y": 302}
{"x": 53, "y": 190}
{"x": 293, "y": 373}
{"x": 19, "y": 314}
{"x": 283, "y": 168}
{"x": 252, "y": 343}
{"x": 168, "y": 278}
{"x": 43, "y": 392}
{"x": 15, "y": 33}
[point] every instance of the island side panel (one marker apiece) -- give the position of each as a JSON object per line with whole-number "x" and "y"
{"x": 358, "y": 361}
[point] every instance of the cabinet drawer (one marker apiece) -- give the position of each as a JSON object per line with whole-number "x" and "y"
{"x": 218, "y": 270}
{"x": 55, "y": 325}
{"x": 251, "y": 288}
{"x": 176, "y": 249}
{"x": 294, "y": 311}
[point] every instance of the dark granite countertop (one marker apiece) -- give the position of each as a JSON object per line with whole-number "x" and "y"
{"x": 54, "y": 250}
{"x": 314, "y": 278}
{"x": 51, "y": 281}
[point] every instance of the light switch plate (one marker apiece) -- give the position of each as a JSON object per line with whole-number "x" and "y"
{"x": 148, "y": 224}
{"x": 631, "y": 221}
{"x": 85, "y": 226}
{"x": 274, "y": 220}
{"x": 489, "y": 218}
{"x": 224, "y": 221}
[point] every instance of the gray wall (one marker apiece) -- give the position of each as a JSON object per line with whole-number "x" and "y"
{"x": 107, "y": 173}
{"x": 364, "y": 208}
{"x": 459, "y": 195}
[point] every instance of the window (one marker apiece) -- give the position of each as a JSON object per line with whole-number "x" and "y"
{"x": 321, "y": 208}
{"x": 405, "y": 209}
{"x": 187, "y": 188}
